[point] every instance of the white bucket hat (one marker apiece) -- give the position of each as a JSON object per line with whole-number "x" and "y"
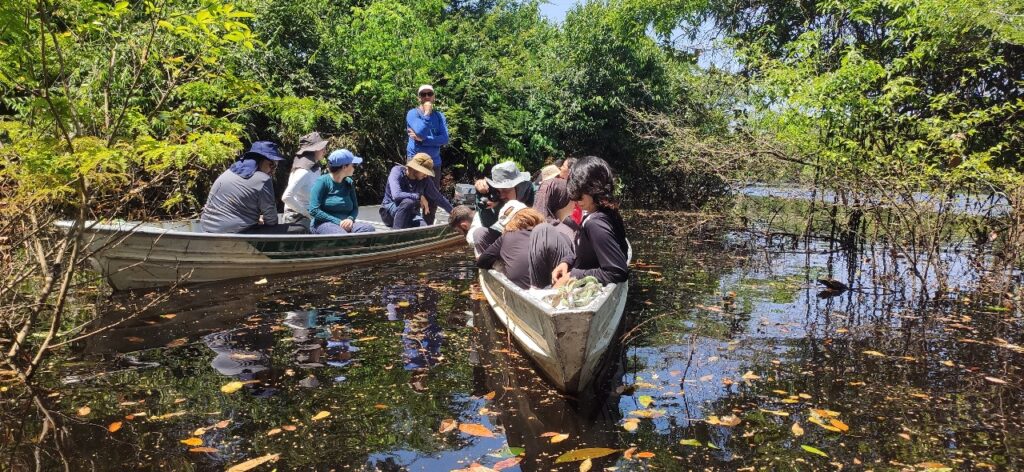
{"x": 507, "y": 175}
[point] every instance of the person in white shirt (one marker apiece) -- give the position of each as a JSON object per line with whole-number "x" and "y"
{"x": 305, "y": 171}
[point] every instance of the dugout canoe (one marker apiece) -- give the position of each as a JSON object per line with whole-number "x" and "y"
{"x": 568, "y": 345}
{"x": 132, "y": 255}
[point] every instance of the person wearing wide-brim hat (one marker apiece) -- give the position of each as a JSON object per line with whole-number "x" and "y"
{"x": 332, "y": 200}
{"x": 242, "y": 198}
{"x": 410, "y": 194}
{"x": 305, "y": 171}
{"x": 505, "y": 184}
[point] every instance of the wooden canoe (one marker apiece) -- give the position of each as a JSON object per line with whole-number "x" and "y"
{"x": 567, "y": 344}
{"x": 142, "y": 255}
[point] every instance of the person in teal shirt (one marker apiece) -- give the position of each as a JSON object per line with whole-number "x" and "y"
{"x": 332, "y": 199}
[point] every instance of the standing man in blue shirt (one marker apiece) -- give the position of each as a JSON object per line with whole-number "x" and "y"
{"x": 427, "y": 129}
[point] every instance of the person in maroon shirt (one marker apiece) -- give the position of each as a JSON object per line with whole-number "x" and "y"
{"x": 600, "y": 248}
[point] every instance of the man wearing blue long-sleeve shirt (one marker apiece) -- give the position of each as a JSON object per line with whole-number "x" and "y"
{"x": 409, "y": 191}
{"x": 427, "y": 129}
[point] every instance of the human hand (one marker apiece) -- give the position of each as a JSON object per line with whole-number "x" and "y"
{"x": 413, "y": 135}
{"x": 346, "y": 225}
{"x": 560, "y": 275}
{"x": 424, "y": 205}
{"x": 428, "y": 107}
{"x": 481, "y": 187}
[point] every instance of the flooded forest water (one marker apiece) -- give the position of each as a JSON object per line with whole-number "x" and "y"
{"x": 732, "y": 358}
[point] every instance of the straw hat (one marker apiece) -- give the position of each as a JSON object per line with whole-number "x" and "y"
{"x": 422, "y": 163}
{"x": 549, "y": 172}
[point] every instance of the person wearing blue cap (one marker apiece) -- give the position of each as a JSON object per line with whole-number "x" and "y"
{"x": 242, "y": 198}
{"x": 332, "y": 199}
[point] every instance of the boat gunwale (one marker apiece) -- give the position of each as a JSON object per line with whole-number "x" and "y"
{"x": 552, "y": 311}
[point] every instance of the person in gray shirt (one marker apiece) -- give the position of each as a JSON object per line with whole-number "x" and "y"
{"x": 242, "y": 198}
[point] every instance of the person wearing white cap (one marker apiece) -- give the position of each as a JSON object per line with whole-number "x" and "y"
{"x": 427, "y": 129}
{"x": 332, "y": 200}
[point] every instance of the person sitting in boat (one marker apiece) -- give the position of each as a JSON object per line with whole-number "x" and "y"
{"x": 332, "y": 200}
{"x": 461, "y": 219}
{"x": 305, "y": 171}
{"x": 512, "y": 249}
{"x": 506, "y": 183}
{"x": 409, "y": 194}
{"x": 242, "y": 198}
{"x": 552, "y": 197}
{"x": 600, "y": 248}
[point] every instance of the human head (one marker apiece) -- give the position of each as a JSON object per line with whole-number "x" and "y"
{"x": 461, "y": 218}
{"x": 266, "y": 155}
{"x": 342, "y": 163}
{"x": 591, "y": 182}
{"x": 425, "y": 93}
{"x": 506, "y": 175}
{"x": 524, "y": 219}
{"x": 421, "y": 165}
{"x": 508, "y": 211}
{"x": 564, "y": 168}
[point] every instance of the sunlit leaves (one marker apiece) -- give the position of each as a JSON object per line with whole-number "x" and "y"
{"x": 585, "y": 453}
{"x": 253, "y": 463}
{"x": 115, "y": 426}
{"x": 192, "y": 441}
{"x": 231, "y": 387}
{"x": 813, "y": 450}
{"x": 321, "y": 415}
{"x": 447, "y": 425}
{"x": 475, "y": 429}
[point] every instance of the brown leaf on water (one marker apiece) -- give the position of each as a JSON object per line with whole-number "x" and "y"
{"x": 821, "y": 423}
{"x": 559, "y": 438}
{"x": 288, "y": 427}
{"x": 797, "y": 430}
{"x": 631, "y": 424}
{"x": 727, "y": 420}
{"x": 645, "y": 455}
{"x": 208, "y": 449}
{"x": 904, "y": 436}
{"x": 84, "y": 411}
{"x": 474, "y": 429}
{"x": 192, "y": 442}
{"x": 447, "y": 425}
{"x": 839, "y": 425}
{"x": 222, "y": 424}
{"x": 931, "y": 465}
{"x": 274, "y": 431}
{"x": 114, "y": 426}
{"x": 586, "y": 465}
{"x": 489, "y": 396}
{"x": 750, "y": 375}
{"x": 177, "y": 342}
{"x": 511, "y": 461}
{"x": 629, "y": 453}
{"x": 253, "y": 463}
{"x": 380, "y": 406}
{"x": 321, "y": 415}
{"x": 549, "y": 434}
{"x": 825, "y": 413}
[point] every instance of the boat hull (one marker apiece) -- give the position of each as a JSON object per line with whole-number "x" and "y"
{"x": 567, "y": 345}
{"x": 133, "y": 255}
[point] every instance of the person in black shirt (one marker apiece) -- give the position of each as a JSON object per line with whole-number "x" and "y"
{"x": 512, "y": 249}
{"x": 600, "y": 248}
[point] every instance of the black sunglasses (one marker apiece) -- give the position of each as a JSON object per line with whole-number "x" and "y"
{"x": 426, "y": 94}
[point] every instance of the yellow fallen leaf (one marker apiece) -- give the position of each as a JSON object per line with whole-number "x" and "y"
{"x": 631, "y": 424}
{"x": 559, "y": 438}
{"x": 403, "y": 304}
{"x": 874, "y": 353}
{"x": 947, "y": 363}
{"x": 750, "y": 375}
{"x": 727, "y": 420}
{"x": 805, "y": 396}
{"x": 586, "y": 465}
{"x": 775, "y": 412}
{"x": 168, "y": 316}
{"x": 904, "y": 436}
{"x": 222, "y": 424}
{"x": 114, "y": 426}
{"x": 645, "y": 455}
{"x": 192, "y": 442}
{"x": 231, "y": 387}
{"x": 823, "y": 425}
{"x": 628, "y": 454}
{"x": 996, "y": 380}
{"x": 489, "y": 396}
{"x": 824, "y": 413}
{"x": 253, "y": 463}
{"x": 474, "y": 429}
{"x": 380, "y": 406}
{"x": 260, "y": 281}
{"x": 645, "y": 400}
{"x": 931, "y": 465}
{"x": 839, "y": 425}
{"x": 549, "y": 434}
{"x": 84, "y": 411}
{"x": 585, "y": 453}
{"x": 199, "y": 432}
{"x": 447, "y": 425}
{"x": 274, "y": 431}
{"x": 511, "y": 461}
{"x": 797, "y": 430}
{"x": 203, "y": 449}
{"x": 321, "y": 415}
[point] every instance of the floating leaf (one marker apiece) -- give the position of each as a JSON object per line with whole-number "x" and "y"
{"x": 164, "y": 417}
{"x": 274, "y": 431}
{"x": 511, "y": 461}
{"x": 628, "y": 454}
{"x": 84, "y": 411}
{"x": 222, "y": 424}
{"x": 231, "y": 387}
{"x": 874, "y": 353}
{"x": 839, "y": 425}
{"x": 645, "y": 400}
{"x": 585, "y": 453}
{"x": 775, "y": 412}
{"x": 559, "y": 438}
{"x": 825, "y": 413}
{"x": 288, "y": 427}
{"x": 380, "y": 406}
{"x": 192, "y": 442}
{"x": 797, "y": 430}
{"x": 114, "y": 426}
{"x": 260, "y": 281}
{"x": 706, "y": 378}
{"x": 253, "y": 463}
{"x": 645, "y": 455}
{"x": 549, "y": 434}
{"x": 947, "y": 363}
{"x": 168, "y": 316}
{"x": 199, "y": 432}
{"x": 586, "y": 465}
{"x": 403, "y": 304}
{"x": 996, "y": 380}
{"x": 631, "y": 424}
{"x": 823, "y": 425}
{"x": 321, "y": 415}
{"x": 813, "y": 450}
{"x": 489, "y": 396}
{"x": 931, "y": 465}
{"x": 904, "y": 436}
{"x": 203, "y": 449}
{"x": 727, "y": 420}
{"x": 447, "y": 425}
{"x": 177, "y": 342}
{"x": 750, "y": 375}
{"x": 474, "y": 429}
{"x": 690, "y": 442}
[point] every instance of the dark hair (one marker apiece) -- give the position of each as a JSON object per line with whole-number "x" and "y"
{"x": 570, "y": 161}
{"x": 459, "y": 214}
{"x": 592, "y": 176}
{"x": 558, "y": 162}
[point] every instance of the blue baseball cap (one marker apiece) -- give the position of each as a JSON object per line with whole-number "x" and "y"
{"x": 343, "y": 157}
{"x": 264, "y": 149}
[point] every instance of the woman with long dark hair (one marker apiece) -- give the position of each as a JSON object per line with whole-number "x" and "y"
{"x": 600, "y": 248}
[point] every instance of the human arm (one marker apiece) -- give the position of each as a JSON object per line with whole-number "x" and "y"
{"x": 490, "y": 255}
{"x": 317, "y": 197}
{"x": 395, "y": 185}
{"x": 434, "y": 195}
{"x": 420, "y": 125}
{"x": 267, "y": 202}
{"x": 289, "y": 197}
{"x": 611, "y": 258}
